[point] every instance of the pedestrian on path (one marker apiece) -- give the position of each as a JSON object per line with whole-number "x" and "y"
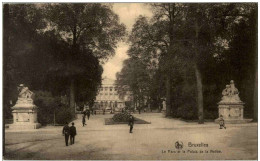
{"x": 221, "y": 122}
{"x": 88, "y": 114}
{"x": 73, "y": 133}
{"x": 66, "y": 133}
{"x": 131, "y": 123}
{"x": 84, "y": 120}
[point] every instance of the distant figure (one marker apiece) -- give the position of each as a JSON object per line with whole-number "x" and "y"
{"x": 66, "y": 133}
{"x": 95, "y": 112}
{"x": 221, "y": 122}
{"x": 131, "y": 123}
{"x": 92, "y": 111}
{"x": 88, "y": 114}
{"x": 73, "y": 133}
{"x": 104, "y": 111}
{"x": 84, "y": 120}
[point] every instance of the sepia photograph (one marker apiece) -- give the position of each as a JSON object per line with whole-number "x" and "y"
{"x": 130, "y": 81}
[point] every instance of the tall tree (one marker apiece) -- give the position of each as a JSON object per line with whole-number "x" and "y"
{"x": 94, "y": 27}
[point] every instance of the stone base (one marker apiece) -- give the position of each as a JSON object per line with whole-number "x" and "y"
{"x": 25, "y": 126}
{"x": 235, "y": 121}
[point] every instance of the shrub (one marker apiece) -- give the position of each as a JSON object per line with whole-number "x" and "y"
{"x": 63, "y": 115}
{"x": 121, "y": 117}
{"x": 186, "y": 112}
{"x": 48, "y": 105}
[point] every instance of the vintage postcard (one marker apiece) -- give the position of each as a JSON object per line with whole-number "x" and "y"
{"x": 130, "y": 81}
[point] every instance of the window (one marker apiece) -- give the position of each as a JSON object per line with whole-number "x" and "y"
{"x": 115, "y": 89}
{"x": 101, "y": 89}
{"x": 106, "y": 89}
{"x": 111, "y": 88}
{"x": 105, "y": 93}
{"x": 110, "y": 93}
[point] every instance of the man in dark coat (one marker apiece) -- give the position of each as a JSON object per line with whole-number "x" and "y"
{"x": 84, "y": 120}
{"x": 73, "y": 133}
{"x": 66, "y": 133}
{"x": 88, "y": 114}
{"x": 131, "y": 123}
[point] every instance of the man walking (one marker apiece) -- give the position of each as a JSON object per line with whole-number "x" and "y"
{"x": 84, "y": 120}
{"x": 66, "y": 133}
{"x": 73, "y": 133}
{"x": 88, "y": 114}
{"x": 131, "y": 123}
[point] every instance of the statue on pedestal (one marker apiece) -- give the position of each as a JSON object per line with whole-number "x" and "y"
{"x": 231, "y": 108}
{"x": 25, "y": 111}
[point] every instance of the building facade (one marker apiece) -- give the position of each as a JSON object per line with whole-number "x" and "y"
{"x": 108, "y": 97}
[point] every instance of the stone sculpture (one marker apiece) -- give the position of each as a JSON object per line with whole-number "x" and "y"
{"x": 231, "y": 108}
{"x": 24, "y": 111}
{"x": 230, "y": 93}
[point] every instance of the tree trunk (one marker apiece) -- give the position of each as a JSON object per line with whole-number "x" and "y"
{"x": 198, "y": 75}
{"x": 168, "y": 96}
{"x": 6, "y": 83}
{"x": 72, "y": 95}
{"x": 256, "y": 96}
{"x": 199, "y": 95}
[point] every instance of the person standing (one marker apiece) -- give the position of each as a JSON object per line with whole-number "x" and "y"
{"x": 131, "y": 123}
{"x": 84, "y": 120}
{"x": 88, "y": 114}
{"x": 66, "y": 133}
{"x": 73, "y": 133}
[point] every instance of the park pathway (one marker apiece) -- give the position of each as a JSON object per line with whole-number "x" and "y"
{"x": 155, "y": 141}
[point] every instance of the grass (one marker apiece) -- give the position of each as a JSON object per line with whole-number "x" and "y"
{"x": 110, "y": 121}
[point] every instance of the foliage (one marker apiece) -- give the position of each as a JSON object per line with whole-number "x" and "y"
{"x": 41, "y": 51}
{"x": 121, "y": 117}
{"x": 190, "y": 51}
{"x": 64, "y": 115}
{"x": 51, "y": 109}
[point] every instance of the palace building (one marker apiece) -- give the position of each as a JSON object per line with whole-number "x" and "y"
{"x": 108, "y": 97}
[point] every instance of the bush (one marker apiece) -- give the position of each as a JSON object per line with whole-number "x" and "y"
{"x": 48, "y": 105}
{"x": 186, "y": 112}
{"x": 63, "y": 115}
{"x": 121, "y": 117}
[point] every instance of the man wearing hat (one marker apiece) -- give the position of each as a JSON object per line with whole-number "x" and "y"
{"x": 66, "y": 133}
{"x": 73, "y": 133}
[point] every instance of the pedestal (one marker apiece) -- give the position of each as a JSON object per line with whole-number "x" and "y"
{"x": 232, "y": 112}
{"x": 24, "y": 117}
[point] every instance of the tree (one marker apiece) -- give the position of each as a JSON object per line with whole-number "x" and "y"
{"x": 134, "y": 75}
{"x": 90, "y": 27}
{"x": 199, "y": 33}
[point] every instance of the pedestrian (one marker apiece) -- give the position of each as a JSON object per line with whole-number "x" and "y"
{"x": 66, "y": 133}
{"x": 84, "y": 120}
{"x": 88, "y": 114}
{"x": 131, "y": 123}
{"x": 221, "y": 122}
{"x": 139, "y": 109}
{"x": 73, "y": 133}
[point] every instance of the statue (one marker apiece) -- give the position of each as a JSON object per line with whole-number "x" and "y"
{"x": 25, "y": 95}
{"x": 24, "y": 111}
{"x": 230, "y": 93}
{"x": 231, "y": 108}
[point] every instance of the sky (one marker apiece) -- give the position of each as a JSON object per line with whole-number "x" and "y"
{"x": 128, "y": 12}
